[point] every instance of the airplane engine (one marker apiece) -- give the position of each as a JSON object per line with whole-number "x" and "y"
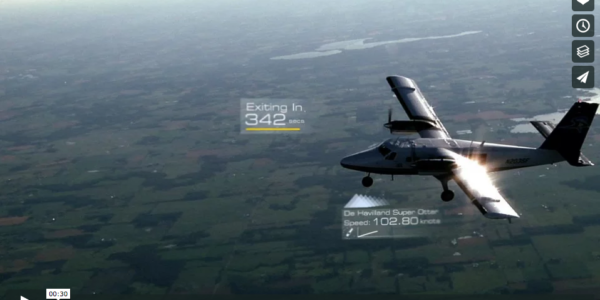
{"x": 407, "y": 127}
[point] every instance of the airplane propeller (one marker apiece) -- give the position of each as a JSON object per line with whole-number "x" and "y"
{"x": 402, "y": 127}
{"x": 388, "y": 125}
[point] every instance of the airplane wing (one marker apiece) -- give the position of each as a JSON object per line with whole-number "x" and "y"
{"x": 474, "y": 180}
{"x": 416, "y": 107}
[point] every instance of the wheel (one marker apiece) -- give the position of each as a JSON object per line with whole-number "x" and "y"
{"x": 367, "y": 181}
{"x": 447, "y": 195}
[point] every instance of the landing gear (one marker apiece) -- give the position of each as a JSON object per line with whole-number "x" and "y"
{"x": 447, "y": 195}
{"x": 367, "y": 181}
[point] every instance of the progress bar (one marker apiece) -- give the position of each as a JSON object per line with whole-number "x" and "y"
{"x": 272, "y": 129}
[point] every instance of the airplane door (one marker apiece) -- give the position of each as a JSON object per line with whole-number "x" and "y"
{"x": 480, "y": 157}
{"x": 413, "y": 152}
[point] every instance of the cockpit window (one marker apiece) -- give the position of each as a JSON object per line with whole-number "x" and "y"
{"x": 384, "y": 150}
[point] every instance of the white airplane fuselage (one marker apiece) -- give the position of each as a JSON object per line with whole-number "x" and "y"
{"x": 429, "y": 156}
{"x": 436, "y": 154}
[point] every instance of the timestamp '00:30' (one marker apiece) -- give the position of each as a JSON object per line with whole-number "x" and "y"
{"x": 58, "y": 294}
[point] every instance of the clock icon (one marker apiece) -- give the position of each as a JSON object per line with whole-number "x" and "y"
{"x": 583, "y": 25}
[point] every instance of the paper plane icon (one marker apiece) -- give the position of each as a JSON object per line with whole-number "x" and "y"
{"x": 583, "y": 78}
{"x": 23, "y": 298}
{"x": 583, "y": 2}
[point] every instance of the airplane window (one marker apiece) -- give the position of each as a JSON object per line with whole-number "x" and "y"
{"x": 384, "y": 150}
{"x": 392, "y": 156}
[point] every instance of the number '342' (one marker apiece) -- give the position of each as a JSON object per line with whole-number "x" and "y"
{"x": 276, "y": 120}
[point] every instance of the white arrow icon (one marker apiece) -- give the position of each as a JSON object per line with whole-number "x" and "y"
{"x": 23, "y": 298}
{"x": 583, "y": 2}
{"x": 583, "y": 78}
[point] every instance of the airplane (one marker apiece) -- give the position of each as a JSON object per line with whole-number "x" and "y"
{"x": 466, "y": 162}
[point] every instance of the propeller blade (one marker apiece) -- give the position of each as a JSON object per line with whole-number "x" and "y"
{"x": 388, "y": 125}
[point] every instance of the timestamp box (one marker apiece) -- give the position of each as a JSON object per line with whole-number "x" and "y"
{"x": 58, "y": 294}
{"x": 273, "y": 116}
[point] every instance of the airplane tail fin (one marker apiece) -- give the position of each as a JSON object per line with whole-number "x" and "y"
{"x": 569, "y": 135}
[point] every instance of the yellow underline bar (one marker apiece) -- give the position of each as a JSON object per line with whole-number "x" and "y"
{"x": 272, "y": 129}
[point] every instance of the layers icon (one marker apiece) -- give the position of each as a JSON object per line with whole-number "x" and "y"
{"x": 583, "y": 51}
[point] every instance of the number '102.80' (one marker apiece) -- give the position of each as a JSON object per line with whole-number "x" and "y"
{"x": 394, "y": 221}
{"x": 278, "y": 119}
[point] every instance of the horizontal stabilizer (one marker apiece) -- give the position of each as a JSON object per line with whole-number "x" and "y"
{"x": 583, "y": 161}
{"x": 544, "y": 127}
